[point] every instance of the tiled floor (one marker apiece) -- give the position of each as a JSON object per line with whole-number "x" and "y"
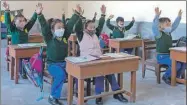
{"x": 148, "y": 91}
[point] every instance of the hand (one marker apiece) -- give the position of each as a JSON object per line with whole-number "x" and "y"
{"x": 111, "y": 16}
{"x": 133, "y": 19}
{"x": 6, "y": 5}
{"x": 39, "y": 8}
{"x": 180, "y": 13}
{"x": 103, "y": 9}
{"x": 63, "y": 11}
{"x": 157, "y": 11}
{"x": 95, "y": 14}
{"x": 79, "y": 9}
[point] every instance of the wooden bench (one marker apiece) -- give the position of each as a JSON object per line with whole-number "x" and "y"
{"x": 147, "y": 47}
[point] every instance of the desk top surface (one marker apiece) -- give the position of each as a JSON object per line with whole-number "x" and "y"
{"x": 121, "y": 40}
{"x": 180, "y": 49}
{"x": 27, "y": 46}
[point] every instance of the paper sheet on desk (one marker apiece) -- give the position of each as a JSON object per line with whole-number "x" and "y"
{"x": 31, "y": 44}
{"x": 128, "y": 37}
{"x": 118, "y": 55}
{"x": 81, "y": 59}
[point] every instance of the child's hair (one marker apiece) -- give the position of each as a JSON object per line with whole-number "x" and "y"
{"x": 119, "y": 19}
{"x": 52, "y": 22}
{"x": 164, "y": 19}
{"x": 87, "y": 22}
{"x": 18, "y": 16}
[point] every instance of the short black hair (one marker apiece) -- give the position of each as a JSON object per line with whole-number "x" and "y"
{"x": 164, "y": 19}
{"x": 52, "y": 22}
{"x": 119, "y": 19}
{"x": 87, "y": 22}
{"x": 18, "y": 16}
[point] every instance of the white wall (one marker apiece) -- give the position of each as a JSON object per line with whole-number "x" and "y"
{"x": 141, "y": 10}
{"x": 51, "y": 8}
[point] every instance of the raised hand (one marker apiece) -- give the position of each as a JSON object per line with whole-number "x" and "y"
{"x": 180, "y": 13}
{"x": 133, "y": 19}
{"x": 111, "y": 16}
{"x": 157, "y": 11}
{"x": 63, "y": 11}
{"x": 103, "y": 9}
{"x": 6, "y": 5}
{"x": 79, "y": 9}
{"x": 95, "y": 14}
{"x": 39, "y": 8}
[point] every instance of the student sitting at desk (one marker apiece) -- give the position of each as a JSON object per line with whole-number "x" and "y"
{"x": 162, "y": 30}
{"x": 119, "y": 30}
{"x": 89, "y": 45}
{"x": 19, "y": 28}
{"x": 56, "y": 36}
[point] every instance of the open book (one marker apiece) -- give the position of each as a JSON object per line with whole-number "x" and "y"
{"x": 118, "y": 55}
{"x": 31, "y": 45}
{"x": 128, "y": 37}
{"x": 81, "y": 59}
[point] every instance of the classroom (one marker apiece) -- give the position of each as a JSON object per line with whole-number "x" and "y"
{"x": 93, "y": 52}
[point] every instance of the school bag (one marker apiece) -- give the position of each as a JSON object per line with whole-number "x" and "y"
{"x": 34, "y": 70}
{"x": 181, "y": 42}
{"x": 104, "y": 40}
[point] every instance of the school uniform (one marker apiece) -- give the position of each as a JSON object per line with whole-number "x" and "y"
{"x": 163, "y": 43}
{"x": 89, "y": 45}
{"x": 19, "y": 36}
{"x": 57, "y": 51}
{"x": 118, "y": 32}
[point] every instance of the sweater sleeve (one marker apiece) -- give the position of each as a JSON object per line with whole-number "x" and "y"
{"x": 100, "y": 26}
{"x": 8, "y": 23}
{"x": 31, "y": 22}
{"x": 46, "y": 32}
{"x": 110, "y": 26}
{"x": 129, "y": 26}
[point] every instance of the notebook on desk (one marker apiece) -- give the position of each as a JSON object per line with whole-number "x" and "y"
{"x": 128, "y": 37}
{"x": 31, "y": 45}
{"x": 118, "y": 55}
{"x": 82, "y": 59}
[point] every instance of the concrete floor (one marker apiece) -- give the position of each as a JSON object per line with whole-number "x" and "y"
{"x": 148, "y": 91}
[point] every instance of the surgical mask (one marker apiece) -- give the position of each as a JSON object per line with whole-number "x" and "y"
{"x": 120, "y": 25}
{"x": 167, "y": 29}
{"x": 59, "y": 32}
{"x": 91, "y": 32}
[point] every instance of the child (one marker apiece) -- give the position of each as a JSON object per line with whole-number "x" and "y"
{"x": 162, "y": 30}
{"x": 19, "y": 28}
{"x": 119, "y": 30}
{"x": 89, "y": 45}
{"x": 56, "y": 36}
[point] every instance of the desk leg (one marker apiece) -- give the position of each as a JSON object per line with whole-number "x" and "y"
{"x": 120, "y": 76}
{"x": 80, "y": 91}
{"x": 12, "y": 63}
{"x": 110, "y": 49}
{"x": 70, "y": 89}
{"x": 73, "y": 48}
{"x": 133, "y": 86}
{"x": 136, "y": 51}
{"x": 69, "y": 48}
{"x": 173, "y": 73}
{"x": 16, "y": 70}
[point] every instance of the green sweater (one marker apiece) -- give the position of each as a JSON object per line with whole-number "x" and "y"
{"x": 79, "y": 28}
{"x": 116, "y": 32}
{"x": 57, "y": 50}
{"x": 19, "y": 36}
{"x": 163, "y": 42}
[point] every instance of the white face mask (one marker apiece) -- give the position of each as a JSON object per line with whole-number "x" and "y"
{"x": 120, "y": 25}
{"x": 59, "y": 32}
{"x": 167, "y": 29}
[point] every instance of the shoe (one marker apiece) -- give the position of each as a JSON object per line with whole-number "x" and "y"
{"x": 54, "y": 101}
{"x": 99, "y": 101}
{"x": 166, "y": 80}
{"x": 120, "y": 97}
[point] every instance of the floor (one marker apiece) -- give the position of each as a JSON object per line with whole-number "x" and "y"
{"x": 148, "y": 91}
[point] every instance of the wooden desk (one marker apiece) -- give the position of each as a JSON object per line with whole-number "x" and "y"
{"x": 177, "y": 54}
{"x": 16, "y": 52}
{"x": 73, "y": 39}
{"x": 97, "y": 68}
{"x": 122, "y": 44}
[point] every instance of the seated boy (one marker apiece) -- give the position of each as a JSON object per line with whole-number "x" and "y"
{"x": 162, "y": 30}
{"x": 119, "y": 30}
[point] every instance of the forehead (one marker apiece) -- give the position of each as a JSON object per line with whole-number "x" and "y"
{"x": 20, "y": 19}
{"x": 91, "y": 24}
{"x": 59, "y": 24}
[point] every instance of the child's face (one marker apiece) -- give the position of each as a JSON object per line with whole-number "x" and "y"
{"x": 165, "y": 25}
{"x": 91, "y": 26}
{"x": 120, "y": 23}
{"x": 20, "y": 22}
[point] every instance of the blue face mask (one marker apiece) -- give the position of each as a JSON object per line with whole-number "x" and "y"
{"x": 167, "y": 29}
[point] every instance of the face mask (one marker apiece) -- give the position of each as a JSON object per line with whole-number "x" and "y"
{"x": 91, "y": 32}
{"x": 20, "y": 25}
{"x": 167, "y": 29}
{"x": 120, "y": 25}
{"x": 59, "y": 32}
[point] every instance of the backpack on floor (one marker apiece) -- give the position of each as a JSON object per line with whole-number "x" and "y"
{"x": 34, "y": 70}
{"x": 104, "y": 40}
{"x": 181, "y": 42}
